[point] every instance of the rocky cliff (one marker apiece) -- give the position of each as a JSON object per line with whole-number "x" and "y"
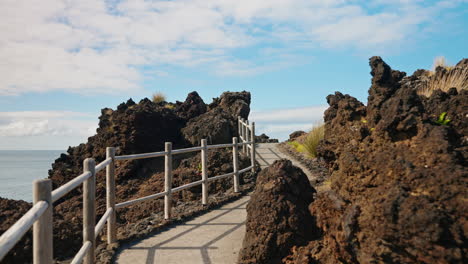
{"x": 397, "y": 190}
{"x": 399, "y": 175}
{"x": 138, "y": 128}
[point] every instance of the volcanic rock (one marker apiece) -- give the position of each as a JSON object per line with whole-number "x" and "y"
{"x": 219, "y": 124}
{"x": 12, "y": 211}
{"x": 398, "y": 176}
{"x": 296, "y": 134}
{"x": 192, "y": 107}
{"x": 277, "y": 214}
{"x": 263, "y": 138}
{"x": 138, "y": 128}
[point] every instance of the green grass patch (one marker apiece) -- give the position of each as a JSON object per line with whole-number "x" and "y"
{"x": 297, "y": 146}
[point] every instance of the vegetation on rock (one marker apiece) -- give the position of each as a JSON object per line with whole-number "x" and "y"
{"x": 442, "y": 77}
{"x": 312, "y": 140}
{"x": 158, "y": 98}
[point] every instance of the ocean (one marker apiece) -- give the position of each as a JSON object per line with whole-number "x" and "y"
{"x": 19, "y": 168}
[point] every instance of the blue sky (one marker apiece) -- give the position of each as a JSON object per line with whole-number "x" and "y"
{"x": 62, "y": 61}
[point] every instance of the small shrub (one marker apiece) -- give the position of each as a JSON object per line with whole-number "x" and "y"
{"x": 169, "y": 106}
{"x": 159, "y": 97}
{"x": 297, "y": 146}
{"x": 443, "y": 120}
{"x": 313, "y": 138}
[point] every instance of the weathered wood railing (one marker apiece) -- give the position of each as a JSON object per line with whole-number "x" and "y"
{"x": 40, "y": 215}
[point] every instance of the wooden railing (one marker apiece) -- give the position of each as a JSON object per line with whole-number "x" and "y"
{"x": 40, "y": 215}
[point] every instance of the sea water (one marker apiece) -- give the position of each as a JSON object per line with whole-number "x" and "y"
{"x": 19, "y": 168}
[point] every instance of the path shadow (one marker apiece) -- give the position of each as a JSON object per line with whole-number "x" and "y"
{"x": 153, "y": 249}
{"x": 267, "y": 156}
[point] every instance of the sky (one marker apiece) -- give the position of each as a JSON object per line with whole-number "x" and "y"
{"x": 61, "y": 61}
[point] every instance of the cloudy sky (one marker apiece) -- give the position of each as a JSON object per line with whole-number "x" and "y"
{"x": 61, "y": 61}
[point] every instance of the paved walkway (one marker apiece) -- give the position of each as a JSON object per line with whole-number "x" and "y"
{"x": 215, "y": 237}
{"x": 267, "y": 153}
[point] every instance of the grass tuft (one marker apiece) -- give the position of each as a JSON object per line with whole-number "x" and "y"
{"x": 444, "y": 80}
{"x": 313, "y": 138}
{"x": 159, "y": 97}
{"x": 439, "y": 61}
{"x": 444, "y": 77}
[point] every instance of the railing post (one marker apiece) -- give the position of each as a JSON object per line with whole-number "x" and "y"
{"x": 252, "y": 149}
{"x": 89, "y": 210}
{"x": 204, "y": 161}
{"x": 168, "y": 181}
{"x": 239, "y": 126}
{"x": 42, "y": 228}
{"x": 235, "y": 161}
{"x": 247, "y": 137}
{"x": 244, "y": 147}
{"x": 110, "y": 196}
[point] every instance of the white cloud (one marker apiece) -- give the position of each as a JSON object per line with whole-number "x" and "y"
{"x": 44, "y": 129}
{"x": 279, "y": 123}
{"x": 291, "y": 115}
{"x": 97, "y": 46}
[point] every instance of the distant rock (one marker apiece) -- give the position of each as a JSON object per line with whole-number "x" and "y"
{"x": 296, "y": 134}
{"x": 263, "y": 138}
{"x": 277, "y": 213}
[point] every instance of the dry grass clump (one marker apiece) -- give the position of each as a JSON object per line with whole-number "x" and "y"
{"x": 443, "y": 78}
{"x": 439, "y": 61}
{"x": 308, "y": 143}
{"x": 159, "y": 97}
{"x": 313, "y": 138}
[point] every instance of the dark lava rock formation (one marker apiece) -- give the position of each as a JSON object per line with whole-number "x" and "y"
{"x": 137, "y": 128}
{"x": 219, "y": 124}
{"x": 399, "y": 177}
{"x": 296, "y": 134}
{"x": 263, "y": 138}
{"x": 277, "y": 214}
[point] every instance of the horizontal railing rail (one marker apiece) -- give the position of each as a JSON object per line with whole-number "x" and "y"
{"x": 40, "y": 215}
{"x": 69, "y": 186}
{"x": 141, "y": 156}
{"x": 17, "y": 231}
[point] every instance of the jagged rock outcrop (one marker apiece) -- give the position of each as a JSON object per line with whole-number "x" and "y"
{"x": 277, "y": 214}
{"x": 139, "y": 128}
{"x": 398, "y": 176}
{"x": 192, "y": 107}
{"x": 132, "y": 128}
{"x": 219, "y": 123}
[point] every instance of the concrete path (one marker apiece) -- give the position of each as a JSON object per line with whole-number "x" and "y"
{"x": 267, "y": 153}
{"x": 215, "y": 237}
